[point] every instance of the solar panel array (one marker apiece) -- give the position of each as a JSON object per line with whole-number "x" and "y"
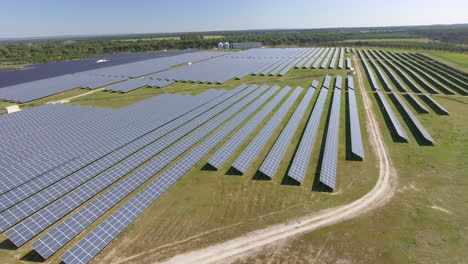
{"x": 134, "y": 84}
{"x": 219, "y": 158}
{"x": 239, "y": 64}
{"x": 413, "y": 120}
{"x": 357, "y": 148}
{"x": 99, "y": 237}
{"x": 49, "y": 194}
{"x": 29, "y": 91}
{"x": 64, "y": 167}
{"x": 299, "y": 164}
{"x": 397, "y": 128}
{"x": 245, "y": 159}
{"x": 330, "y": 156}
{"x": 275, "y": 155}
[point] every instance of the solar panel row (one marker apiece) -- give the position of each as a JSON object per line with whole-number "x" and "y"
{"x": 134, "y": 84}
{"x": 329, "y": 161}
{"x": 327, "y": 59}
{"x": 357, "y": 149}
{"x": 275, "y": 155}
{"x": 299, "y": 164}
{"x": 427, "y": 77}
{"x": 341, "y": 60}
{"x": 413, "y": 121}
{"x": 245, "y": 159}
{"x": 416, "y": 77}
{"x": 219, "y": 158}
{"x": 397, "y": 128}
{"x": 370, "y": 72}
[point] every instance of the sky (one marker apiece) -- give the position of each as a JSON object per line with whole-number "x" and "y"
{"x": 39, "y": 18}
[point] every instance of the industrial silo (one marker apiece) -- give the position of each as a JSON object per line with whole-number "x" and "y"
{"x": 226, "y": 45}
{"x": 220, "y": 46}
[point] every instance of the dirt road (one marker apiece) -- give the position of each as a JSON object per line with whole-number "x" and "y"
{"x": 378, "y": 196}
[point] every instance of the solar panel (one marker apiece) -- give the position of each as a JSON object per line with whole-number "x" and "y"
{"x": 413, "y": 120}
{"x": 370, "y": 72}
{"x": 298, "y": 168}
{"x": 275, "y": 155}
{"x": 397, "y": 128}
{"x": 219, "y": 158}
{"x": 245, "y": 159}
{"x": 348, "y": 63}
{"x": 329, "y": 162}
{"x": 357, "y": 149}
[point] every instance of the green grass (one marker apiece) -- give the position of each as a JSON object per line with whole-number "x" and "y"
{"x": 213, "y": 37}
{"x": 457, "y": 60}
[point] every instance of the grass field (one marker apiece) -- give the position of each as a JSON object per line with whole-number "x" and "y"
{"x": 424, "y": 223}
{"x": 213, "y": 37}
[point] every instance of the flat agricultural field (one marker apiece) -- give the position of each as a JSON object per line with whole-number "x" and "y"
{"x": 424, "y": 222}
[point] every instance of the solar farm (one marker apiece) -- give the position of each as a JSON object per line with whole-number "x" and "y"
{"x": 162, "y": 149}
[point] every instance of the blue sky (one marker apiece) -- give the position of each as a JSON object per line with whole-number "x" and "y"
{"x": 30, "y": 18}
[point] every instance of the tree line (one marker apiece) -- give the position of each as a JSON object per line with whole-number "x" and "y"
{"x": 40, "y": 51}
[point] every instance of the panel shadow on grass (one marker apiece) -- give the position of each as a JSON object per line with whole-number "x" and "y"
{"x": 233, "y": 171}
{"x": 260, "y": 176}
{"x": 208, "y": 167}
{"x": 33, "y": 256}
{"x": 8, "y": 245}
{"x": 388, "y": 122}
{"x": 422, "y": 141}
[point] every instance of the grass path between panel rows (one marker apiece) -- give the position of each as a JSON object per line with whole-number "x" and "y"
{"x": 252, "y": 242}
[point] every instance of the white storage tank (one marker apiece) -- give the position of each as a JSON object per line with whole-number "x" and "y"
{"x": 220, "y": 45}
{"x": 226, "y": 45}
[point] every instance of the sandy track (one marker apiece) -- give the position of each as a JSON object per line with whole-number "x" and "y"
{"x": 378, "y": 196}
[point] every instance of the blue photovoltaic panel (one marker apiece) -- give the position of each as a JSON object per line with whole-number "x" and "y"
{"x": 396, "y": 125}
{"x": 245, "y": 159}
{"x": 314, "y": 84}
{"x": 370, "y": 72}
{"x": 275, "y": 155}
{"x": 414, "y": 120}
{"x": 329, "y": 162}
{"x": 357, "y": 148}
{"x": 348, "y": 63}
{"x": 390, "y": 73}
{"x": 219, "y": 158}
{"x": 298, "y": 168}
{"x": 327, "y": 82}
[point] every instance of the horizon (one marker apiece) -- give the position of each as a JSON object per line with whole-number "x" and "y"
{"x": 209, "y": 31}
{"x": 53, "y": 18}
